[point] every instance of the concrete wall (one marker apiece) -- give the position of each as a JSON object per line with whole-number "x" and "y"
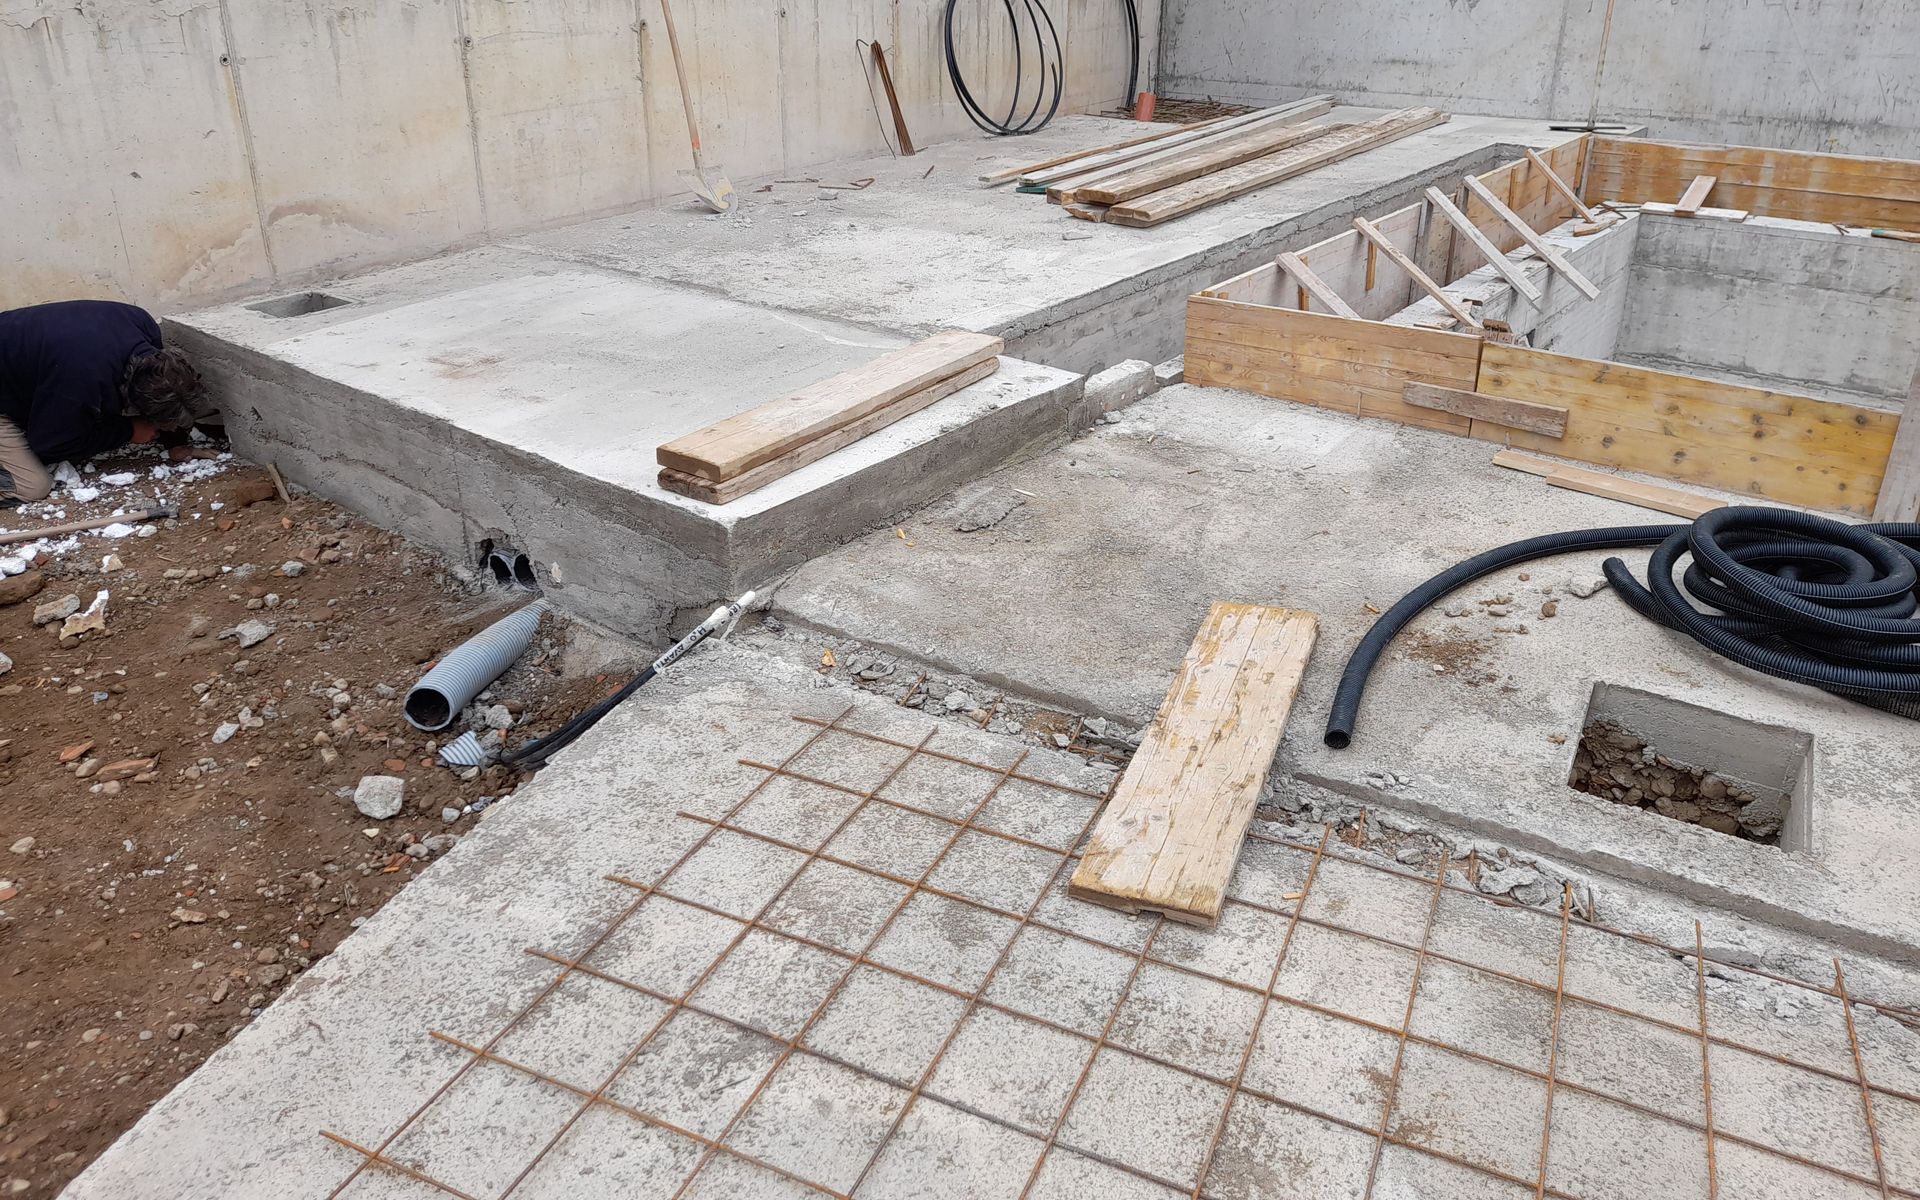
{"x": 169, "y": 152}
{"x": 1785, "y": 304}
{"x": 1830, "y": 75}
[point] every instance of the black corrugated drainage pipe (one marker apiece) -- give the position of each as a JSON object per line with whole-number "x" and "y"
{"x": 1798, "y": 596}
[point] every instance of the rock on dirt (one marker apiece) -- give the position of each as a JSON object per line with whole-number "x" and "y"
{"x": 380, "y": 796}
{"x": 56, "y": 610}
{"x": 16, "y": 588}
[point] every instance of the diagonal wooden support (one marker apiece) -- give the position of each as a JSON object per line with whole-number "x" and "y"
{"x": 1509, "y": 271}
{"x": 1534, "y": 241}
{"x": 1560, "y": 185}
{"x": 1170, "y": 836}
{"x": 1420, "y": 277}
{"x": 1695, "y": 196}
{"x": 1315, "y": 286}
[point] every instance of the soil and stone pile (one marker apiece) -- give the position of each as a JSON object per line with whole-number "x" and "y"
{"x": 1619, "y": 765}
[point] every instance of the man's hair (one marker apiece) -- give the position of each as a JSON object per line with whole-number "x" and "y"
{"x": 164, "y": 388}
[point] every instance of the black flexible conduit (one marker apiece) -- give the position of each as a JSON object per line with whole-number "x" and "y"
{"x": 1049, "y": 67}
{"x": 1799, "y": 597}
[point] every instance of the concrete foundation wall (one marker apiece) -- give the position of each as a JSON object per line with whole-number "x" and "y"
{"x": 1841, "y": 76}
{"x": 168, "y": 152}
{"x": 1784, "y": 304}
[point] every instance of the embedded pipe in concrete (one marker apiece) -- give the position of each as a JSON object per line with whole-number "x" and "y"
{"x": 512, "y": 568}
{"x": 462, "y": 674}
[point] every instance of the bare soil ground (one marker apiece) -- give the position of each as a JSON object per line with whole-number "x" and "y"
{"x": 149, "y": 910}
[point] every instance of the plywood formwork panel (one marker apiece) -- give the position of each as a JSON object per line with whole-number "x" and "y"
{"x": 1766, "y": 182}
{"x": 1357, "y": 367}
{"x": 1793, "y": 449}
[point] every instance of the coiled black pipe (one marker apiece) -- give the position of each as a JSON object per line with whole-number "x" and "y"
{"x": 1799, "y": 597}
{"x": 1049, "y": 83}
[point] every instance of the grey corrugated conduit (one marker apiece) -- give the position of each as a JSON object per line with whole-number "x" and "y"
{"x": 440, "y": 695}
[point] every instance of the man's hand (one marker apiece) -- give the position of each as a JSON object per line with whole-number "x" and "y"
{"x": 182, "y": 454}
{"x": 144, "y": 431}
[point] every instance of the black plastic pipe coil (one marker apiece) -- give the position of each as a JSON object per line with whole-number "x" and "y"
{"x": 1797, "y": 596}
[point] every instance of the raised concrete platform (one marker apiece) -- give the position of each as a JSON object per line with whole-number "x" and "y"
{"x": 516, "y": 391}
{"x": 1088, "y": 594}
{"x": 925, "y": 247}
{"x": 871, "y": 983}
{"x": 472, "y": 398}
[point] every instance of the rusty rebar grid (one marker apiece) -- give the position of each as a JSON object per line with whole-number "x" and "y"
{"x": 712, "y": 1146}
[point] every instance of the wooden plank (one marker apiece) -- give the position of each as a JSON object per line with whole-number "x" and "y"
{"x": 1501, "y": 410}
{"x": 1533, "y": 240}
{"x": 1269, "y": 138}
{"x": 1170, "y": 836}
{"x": 729, "y": 448}
{"x": 1899, "y": 498}
{"x": 1560, "y": 185}
{"x": 1501, "y": 263}
{"x": 1420, "y": 277}
{"x": 694, "y": 487}
{"x": 1694, "y": 196}
{"x": 1316, "y": 286}
{"x": 1013, "y": 173}
{"x": 1118, "y": 156}
{"x": 1793, "y": 449}
{"x": 1705, "y": 214}
{"x": 1613, "y": 487}
{"x": 1329, "y": 362}
{"x": 1195, "y": 194}
{"x": 1203, "y": 158}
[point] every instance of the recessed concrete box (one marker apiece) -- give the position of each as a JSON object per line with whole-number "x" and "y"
{"x": 525, "y": 408}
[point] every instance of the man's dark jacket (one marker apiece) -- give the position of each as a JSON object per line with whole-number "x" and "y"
{"x": 61, "y": 367}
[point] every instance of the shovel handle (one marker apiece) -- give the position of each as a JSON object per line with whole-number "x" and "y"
{"x": 686, "y": 96}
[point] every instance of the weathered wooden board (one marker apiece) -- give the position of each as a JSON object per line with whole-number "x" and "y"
{"x": 1203, "y": 157}
{"x": 1195, "y": 194}
{"x": 694, "y": 487}
{"x": 1385, "y": 245}
{"x": 1613, "y": 487}
{"x": 730, "y": 448}
{"x": 1795, "y": 184}
{"x": 1512, "y": 414}
{"x": 1793, "y": 449}
{"x": 1351, "y": 366}
{"x": 1695, "y": 196}
{"x": 1170, "y": 836}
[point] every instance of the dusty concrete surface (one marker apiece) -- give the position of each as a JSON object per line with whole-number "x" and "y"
{"x": 874, "y": 986}
{"x": 1062, "y": 292}
{"x": 1082, "y": 598}
{"x": 473, "y": 399}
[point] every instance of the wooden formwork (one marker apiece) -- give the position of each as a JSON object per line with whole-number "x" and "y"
{"x": 1267, "y": 331}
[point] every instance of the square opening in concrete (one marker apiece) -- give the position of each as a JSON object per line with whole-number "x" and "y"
{"x": 299, "y": 304}
{"x": 1694, "y": 765}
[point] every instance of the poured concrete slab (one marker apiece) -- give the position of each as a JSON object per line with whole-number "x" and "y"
{"x": 925, "y": 247}
{"x": 478, "y": 399}
{"x": 1089, "y": 593}
{"x": 878, "y": 989}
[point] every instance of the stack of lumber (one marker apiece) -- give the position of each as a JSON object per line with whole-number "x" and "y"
{"x": 1149, "y": 180}
{"x": 1168, "y": 839}
{"x": 742, "y": 453}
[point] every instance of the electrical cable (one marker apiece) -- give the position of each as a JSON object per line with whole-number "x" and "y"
{"x": 1048, "y": 84}
{"x": 1798, "y": 596}
{"x": 1133, "y": 54}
